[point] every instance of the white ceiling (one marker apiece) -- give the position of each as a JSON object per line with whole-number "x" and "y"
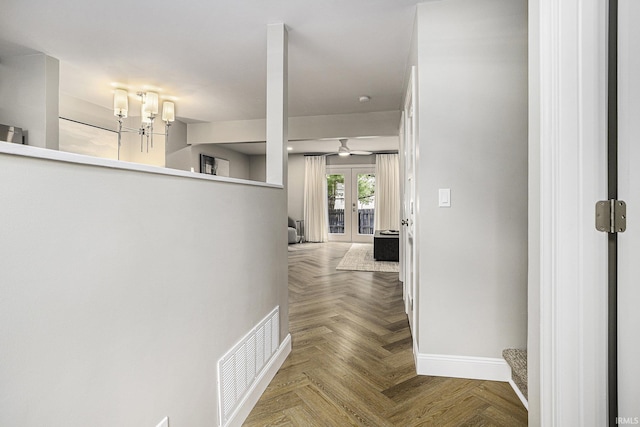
{"x": 211, "y": 54}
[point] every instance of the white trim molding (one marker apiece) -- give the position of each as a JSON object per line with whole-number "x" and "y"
{"x": 260, "y": 384}
{"x": 86, "y": 160}
{"x": 519, "y": 394}
{"x": 475, "y": 368}
{"x": 568, "y": 119}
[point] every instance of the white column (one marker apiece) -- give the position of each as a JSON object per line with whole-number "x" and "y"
{"x": 277, "y": 103}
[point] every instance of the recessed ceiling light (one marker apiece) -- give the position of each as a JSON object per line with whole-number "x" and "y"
{"x": 289, "y": 148}
{"x": 365, "y": 98}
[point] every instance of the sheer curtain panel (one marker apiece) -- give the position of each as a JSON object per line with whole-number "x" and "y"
{"x": 387, "y": 206}
{"x": 316, "y": 219}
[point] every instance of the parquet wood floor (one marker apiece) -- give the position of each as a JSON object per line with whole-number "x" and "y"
{"x": 352, "y": 365}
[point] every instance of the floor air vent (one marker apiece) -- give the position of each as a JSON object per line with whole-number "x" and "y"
{"x": 239, "y": 368}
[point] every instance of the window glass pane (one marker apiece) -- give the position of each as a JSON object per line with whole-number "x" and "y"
{"x": 335, "y": 194}
{"x": 366, "y": 202}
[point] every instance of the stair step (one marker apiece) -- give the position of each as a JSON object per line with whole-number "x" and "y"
{"x": 517, "y": 360}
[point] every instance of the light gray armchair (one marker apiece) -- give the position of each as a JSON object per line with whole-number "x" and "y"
{"x": 293, "y": 235}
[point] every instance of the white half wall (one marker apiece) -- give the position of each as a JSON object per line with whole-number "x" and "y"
{"x": 472, "y": 139}
{"x": 121, "y": 289}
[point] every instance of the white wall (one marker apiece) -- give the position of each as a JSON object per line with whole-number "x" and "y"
{"x": 121, "y": 289}
{"x": 29, "y": 97}
{"x": 85, "y": 112}
{"x": 189, "y": 157}
{"x": 381, "y": 123}
{"x": 177, "y": 137}
{"x": 258, "y": 168}
{"x": 351, "y": 160}
{"x": 472, "y": 94}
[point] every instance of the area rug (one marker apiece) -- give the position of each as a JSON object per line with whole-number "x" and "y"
{"x": 360, "y": 258}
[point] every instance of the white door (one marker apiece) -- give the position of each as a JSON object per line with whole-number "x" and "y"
{"x": 629, "y": 191}
{"x": 351, "y": 202}
{"x": 408, "y": 204}
{"x": 402, "y": 236}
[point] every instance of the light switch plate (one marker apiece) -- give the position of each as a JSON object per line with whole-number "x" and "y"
{"x": 164, "y": 423}
{"x": 444, "y": 197}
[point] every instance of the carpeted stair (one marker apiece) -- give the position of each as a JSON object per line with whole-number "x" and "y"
{"x": 517, "y": 359}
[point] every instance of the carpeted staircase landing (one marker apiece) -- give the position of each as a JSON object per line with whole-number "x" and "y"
{"x": 517, "y": 359}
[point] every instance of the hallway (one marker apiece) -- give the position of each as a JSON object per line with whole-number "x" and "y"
{"x": 352, "y": 363}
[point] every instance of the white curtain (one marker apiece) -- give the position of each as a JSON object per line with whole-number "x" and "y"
{"x": 316, "y": 214}
{"x": 387, "y": 206}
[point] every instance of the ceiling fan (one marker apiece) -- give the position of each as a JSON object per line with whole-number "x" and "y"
{"x": 343, "y": 150}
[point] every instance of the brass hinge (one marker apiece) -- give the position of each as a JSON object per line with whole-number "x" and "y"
{"x": 611, "y": 216}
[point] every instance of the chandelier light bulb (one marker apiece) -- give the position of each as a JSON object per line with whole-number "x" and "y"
{"x": 120, "y": 103}
{"x": 145, "y": 114}
{"x": 151, "y": 101}
{"x": 168, "y": 111}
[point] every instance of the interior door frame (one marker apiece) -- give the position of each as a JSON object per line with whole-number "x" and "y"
{"x": 408, "y": 235}
{"x": 628, "y": 292}
{"x": 567, "y": 299}
{"x": 612, "y": 194}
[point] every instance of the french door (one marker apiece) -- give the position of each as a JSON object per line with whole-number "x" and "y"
{"x": 351, "y": 202}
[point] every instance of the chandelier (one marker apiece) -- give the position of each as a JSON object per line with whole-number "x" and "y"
{"x": 148, "y": 112}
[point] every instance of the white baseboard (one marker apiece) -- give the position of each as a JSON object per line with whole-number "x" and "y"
{"x": 476, "y": 368}
{"x": 519, "y": 394}
{"x": 260, "y": 384}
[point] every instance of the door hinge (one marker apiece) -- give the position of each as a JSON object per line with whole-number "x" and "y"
{"x": 611, "y": 216}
